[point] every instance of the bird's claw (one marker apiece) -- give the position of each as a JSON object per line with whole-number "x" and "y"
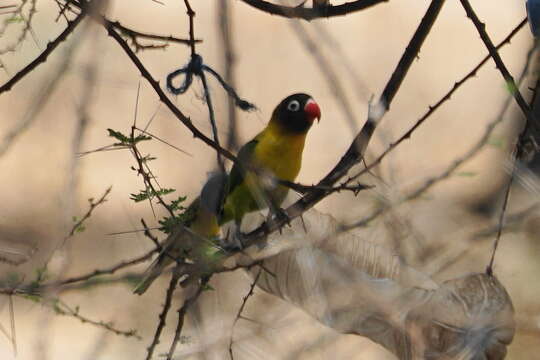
{"x": 233, "y": 243}
{"x": 280, "y": 215}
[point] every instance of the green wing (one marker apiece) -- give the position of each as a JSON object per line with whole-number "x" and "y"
{"x": 236, "y": 176}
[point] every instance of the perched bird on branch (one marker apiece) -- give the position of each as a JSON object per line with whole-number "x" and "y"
{"x": 274, "y": 154}
{"x": 195, "y": 239}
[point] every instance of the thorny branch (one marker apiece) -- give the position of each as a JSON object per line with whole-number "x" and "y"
{"x": 434, "y": 108}
{"x": 72, "y": 24}
{"x": 134, "y": 35}
{"x": 308, "y": 14}
{"x": 44, "y": 55}
{"x": 78, "y": 225}
{"x": 530, "y": 123}
{"x": 428, "y": 183}
{"x": 61, "y": 308}
{"x": 241, "y": 309}
{"x": 105, "y": 271}
{"x": 182, "y": 314}
{"x": 27, "y": 25}
{"x": 163, "y": 315}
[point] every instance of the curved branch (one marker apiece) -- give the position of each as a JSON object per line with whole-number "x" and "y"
{"x": 308, "y": 14}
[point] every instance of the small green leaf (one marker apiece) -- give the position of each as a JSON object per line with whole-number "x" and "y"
{"x": 208, "y": 287}
{"x": 466, "y": 173}
{"x": 169, "y": 223}
{"x": 149, "y": 194}
{"x": 511, "y": 87}
{"x": 496, "y": 142}
{"x": 14, "y": 19}
{"x": 175, "y": 204}
{"x": 124, "y": 140}
{"x": 140, "y": 138}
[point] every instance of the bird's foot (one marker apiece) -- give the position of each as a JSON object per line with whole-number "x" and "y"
{"x": 234, "y": 242}
{"x": 280, "y": 215}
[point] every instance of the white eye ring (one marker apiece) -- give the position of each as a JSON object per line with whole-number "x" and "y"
{"x": 294, "y": 105}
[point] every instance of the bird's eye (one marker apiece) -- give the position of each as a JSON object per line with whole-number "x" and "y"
{"x": 294, "y": 105}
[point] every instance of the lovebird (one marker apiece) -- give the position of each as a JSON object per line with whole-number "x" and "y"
{"x": 276, "y": 153}
{"x": 201, "y": 225}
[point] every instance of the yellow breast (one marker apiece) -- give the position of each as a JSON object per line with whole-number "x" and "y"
{"x": 279, "y": 153}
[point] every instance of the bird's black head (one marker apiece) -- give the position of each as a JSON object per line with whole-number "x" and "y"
{"x": 296, "y": 113}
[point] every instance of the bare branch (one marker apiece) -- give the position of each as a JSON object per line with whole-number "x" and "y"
{"x": 531, "y": 123}
{"x": 182, "y": 314}
{"x": 435, "y": 107}
{"x": 241, "y": 309}
{"x": 308, "y": 14}
{"x": 163, "y": 315}
{"x": 44, "y": 55}
{"x": 98, "y": 272}
{"x": 133, "y": 34}
{"x": 61, "y": 308}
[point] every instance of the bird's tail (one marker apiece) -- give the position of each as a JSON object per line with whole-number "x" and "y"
{"x": 152, "y": 273}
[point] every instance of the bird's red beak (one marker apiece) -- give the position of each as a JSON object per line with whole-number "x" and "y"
{"x": 312, "y": 110}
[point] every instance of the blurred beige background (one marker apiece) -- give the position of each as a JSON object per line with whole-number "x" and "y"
{"x": 38, "y": 202}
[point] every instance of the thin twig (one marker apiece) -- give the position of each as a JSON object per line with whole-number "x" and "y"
{"x": 155, "y": 85}
{"x": 61, "y": 308}
{"x": 163, "y": 315}
{"x": 510, "y": 83}
{"x": 207, "y": 97}
{"x": 163, "y": 141}
{"x": 12, "y": 321}
{"x": 27, "y": 29}
{"x": 229, "y": 60}
{"x": 489, "y": 269}
{"x": 182, "y": 314}
{"x": 191, "y": 16}
{"x": 471, "y": 74}
{"x": 149, "y": 235}
{"x": 133, "y": 34}
{"x": 241, "y": 309}
{"x": 51, "y": 46}
{"x": 104, "y": 271}
{"x": 79, "y": 224}
{"x": 93, "y": 205}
